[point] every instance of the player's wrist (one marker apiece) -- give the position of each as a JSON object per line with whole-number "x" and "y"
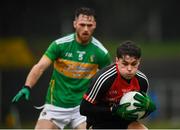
{"x": 114, "y": 109}
{"x": 28, "y": 87}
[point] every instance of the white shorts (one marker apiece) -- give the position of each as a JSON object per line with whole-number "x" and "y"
{"x": 62, "y": 116}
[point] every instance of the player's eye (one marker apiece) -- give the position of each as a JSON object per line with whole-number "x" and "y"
{"x": 89, "y": 25}
{"x": 134, "y": 63}
{"x": 125, "y": 63}
{"x": 82, "y": 24}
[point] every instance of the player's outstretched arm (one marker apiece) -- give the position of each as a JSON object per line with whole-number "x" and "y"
{"x": 32, "y": 78}
{"x": 37, "y": 71}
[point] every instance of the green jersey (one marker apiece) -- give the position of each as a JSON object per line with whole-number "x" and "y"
{"x": 74, "y": 66}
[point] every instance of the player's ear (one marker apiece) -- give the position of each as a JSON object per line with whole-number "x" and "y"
{"x": 74, "y": 23}
{"x": 94, "y": 24}
{"x": 117, "y": 59}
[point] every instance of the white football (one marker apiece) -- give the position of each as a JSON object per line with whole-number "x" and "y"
{"x": 129, "y": 97}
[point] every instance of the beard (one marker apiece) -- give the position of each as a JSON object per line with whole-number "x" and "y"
{"x": 83, "y": 37}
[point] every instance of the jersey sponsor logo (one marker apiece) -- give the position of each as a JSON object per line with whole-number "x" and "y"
{"x": 74, "y": 69}
{"x": 126, "y": 90}
{"x": 113, "y": 97}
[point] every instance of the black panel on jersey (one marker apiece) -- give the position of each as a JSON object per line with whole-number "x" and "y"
{"x": 143, "y": 82}
{"x": 107, "y": 83}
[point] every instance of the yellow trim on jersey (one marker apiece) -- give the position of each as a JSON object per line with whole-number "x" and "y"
{"x": 52, "y": 84}
{"x": 74, "y": 69}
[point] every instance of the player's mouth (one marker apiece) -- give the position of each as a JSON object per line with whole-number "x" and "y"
{"x": 85, "y": 34}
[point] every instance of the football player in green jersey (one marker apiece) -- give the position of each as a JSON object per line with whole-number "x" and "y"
{"x": 76, "y": 58}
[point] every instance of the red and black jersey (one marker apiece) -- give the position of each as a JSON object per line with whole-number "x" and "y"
{"x": 106, "y": 89}
{"x": 108, "y": 86}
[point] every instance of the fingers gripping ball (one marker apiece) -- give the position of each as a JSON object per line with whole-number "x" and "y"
{"x": 129, "y": 98}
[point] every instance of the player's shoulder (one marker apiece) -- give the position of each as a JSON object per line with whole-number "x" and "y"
{"x": 65, "y": 39}
{"x": 141, "y": 75}
{"x": 109, "y": 71}
{"x": 142, "y": 78}
{"x": 99, "y": 45}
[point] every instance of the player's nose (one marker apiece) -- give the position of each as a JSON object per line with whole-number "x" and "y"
{"x": 129, "y": 67}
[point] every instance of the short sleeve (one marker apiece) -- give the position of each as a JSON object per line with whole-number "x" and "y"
{"x": 105, "y": 61}
{"x": 52, "y": 51}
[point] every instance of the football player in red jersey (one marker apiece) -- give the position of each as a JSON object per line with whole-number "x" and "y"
{"x": 101, "y": 101}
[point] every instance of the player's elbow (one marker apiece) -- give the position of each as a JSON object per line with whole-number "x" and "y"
{"x": 83, "y": 108}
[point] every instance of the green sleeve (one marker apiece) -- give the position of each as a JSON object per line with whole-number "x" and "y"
{"x": 52, "y": 51}
{"x": 105, "y": 61}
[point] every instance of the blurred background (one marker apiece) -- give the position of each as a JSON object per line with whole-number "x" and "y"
{"x": 28, "y": 27}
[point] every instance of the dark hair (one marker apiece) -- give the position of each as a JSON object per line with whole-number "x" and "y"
{"x": 85, "y": 11}
{"x": 128, "y": 48}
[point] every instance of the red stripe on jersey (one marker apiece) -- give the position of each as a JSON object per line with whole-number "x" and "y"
{"x": 85, "y": 96}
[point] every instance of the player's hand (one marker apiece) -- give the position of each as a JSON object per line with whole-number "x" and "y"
{"x": 121, "y": 111}
{"x": 23, "y": 93}
{"x": 145, "y": 103}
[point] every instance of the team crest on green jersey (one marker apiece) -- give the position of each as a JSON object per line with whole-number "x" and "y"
{"x": 92, "y": 57}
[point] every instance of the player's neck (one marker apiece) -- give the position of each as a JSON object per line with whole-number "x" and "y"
{"x": 127, "y": 80}
{"x": 80, "y": 41}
